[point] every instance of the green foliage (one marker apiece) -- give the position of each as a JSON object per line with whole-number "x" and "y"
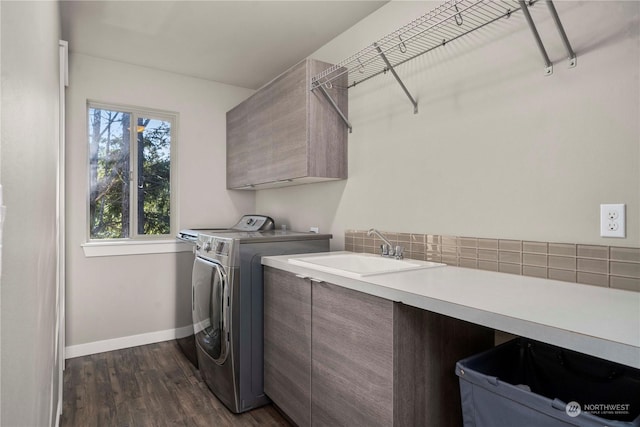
{"x": 110, "y": 156}
{"x": 154, "y": 184}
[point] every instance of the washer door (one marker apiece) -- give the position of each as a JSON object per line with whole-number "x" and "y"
{"x": 210, "y": 308}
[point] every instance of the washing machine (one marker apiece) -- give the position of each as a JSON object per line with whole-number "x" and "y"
{"x": 227, "y": 293}
{"x": 246, "y": 223}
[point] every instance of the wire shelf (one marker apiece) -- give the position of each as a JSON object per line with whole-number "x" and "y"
{"x": 447, "y": 22}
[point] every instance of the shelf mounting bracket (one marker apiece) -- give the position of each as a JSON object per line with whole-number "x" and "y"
{"x": 393, "y": 71}
{"x": 548, "y": 70}
{"x": 316, "y": 84}
{"x": 570, "y": 53}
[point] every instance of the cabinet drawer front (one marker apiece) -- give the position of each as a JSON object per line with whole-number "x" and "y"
{"x": 352, "y": 362}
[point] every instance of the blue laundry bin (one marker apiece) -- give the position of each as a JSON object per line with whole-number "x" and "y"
{"x": 526, "y": 383}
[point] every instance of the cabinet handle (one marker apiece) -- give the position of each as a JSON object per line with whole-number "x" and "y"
{"x": 302, "y": 276}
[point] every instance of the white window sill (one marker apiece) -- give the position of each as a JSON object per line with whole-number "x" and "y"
{"x": 133, "y": 247}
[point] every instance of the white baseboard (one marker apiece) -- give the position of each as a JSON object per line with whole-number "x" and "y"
{"x": 58, "y": 412}
{"x": 126, "y": 342}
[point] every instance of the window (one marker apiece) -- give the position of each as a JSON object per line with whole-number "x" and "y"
{"x": 131, "y": 172}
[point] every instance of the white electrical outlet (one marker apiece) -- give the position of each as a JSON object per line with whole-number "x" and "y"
{"x": 612, "y": 220}
{"x": 314, "y": 230}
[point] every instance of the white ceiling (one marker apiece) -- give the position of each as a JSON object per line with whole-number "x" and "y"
{"x": 242, "y": 43}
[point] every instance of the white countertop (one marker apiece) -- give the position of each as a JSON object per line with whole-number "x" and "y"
{"x": 598, "y": 321}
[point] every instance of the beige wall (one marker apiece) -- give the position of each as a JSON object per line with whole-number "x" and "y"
{"x": 29, "y": 135}
{"x": 497, "y": 149}
{"x": 121, "y": 296}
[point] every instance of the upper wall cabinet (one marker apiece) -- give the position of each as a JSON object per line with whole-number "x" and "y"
{"x": 286, "y": 134}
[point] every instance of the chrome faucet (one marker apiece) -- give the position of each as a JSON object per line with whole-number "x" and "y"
{"x": 387, "y": 249}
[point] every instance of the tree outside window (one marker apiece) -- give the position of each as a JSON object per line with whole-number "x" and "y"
{"x": 130, "y": 172}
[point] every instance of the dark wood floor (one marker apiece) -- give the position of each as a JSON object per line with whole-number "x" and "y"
{"x": 152, "y": 385}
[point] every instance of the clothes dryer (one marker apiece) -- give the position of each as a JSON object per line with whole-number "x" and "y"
{"x": 227, "y": 312}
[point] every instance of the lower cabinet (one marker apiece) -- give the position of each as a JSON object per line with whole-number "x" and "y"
{"x": 352, "y": 358}
{"x": 287, "y": 343}
{"x": 339, "y": 357}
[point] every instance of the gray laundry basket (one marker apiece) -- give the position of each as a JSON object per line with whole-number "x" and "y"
{"x": 525, "y": 383}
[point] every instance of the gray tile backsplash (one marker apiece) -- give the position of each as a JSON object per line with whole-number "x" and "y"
{"x": 562, "y": 249}
{"x": 625, "y": 254}
{"x": 608, "y": 266}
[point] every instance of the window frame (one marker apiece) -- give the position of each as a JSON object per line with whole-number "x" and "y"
{"x": 134, "y": 237}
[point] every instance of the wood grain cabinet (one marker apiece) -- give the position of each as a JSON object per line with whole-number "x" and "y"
{"x": 287, "y": 344}
{"x": 285, "y": 134}
{"x": 339, "y": 357}
{"x": 352, "y": 359}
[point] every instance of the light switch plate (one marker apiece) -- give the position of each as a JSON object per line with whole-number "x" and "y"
{"x": 612, "y": 220}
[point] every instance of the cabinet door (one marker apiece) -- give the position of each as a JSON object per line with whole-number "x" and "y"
{"x": 289, "y": 120}
{"x": 237, "y": 147}
{"x": 259, "y": 136}
{"x": 352, "y": 361}
{"x": 277, "y": 129}
{"x": 327, "y": 132}
{"x": 287, "y": 343}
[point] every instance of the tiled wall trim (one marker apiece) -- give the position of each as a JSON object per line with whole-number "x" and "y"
{"x": 607, "y": 266}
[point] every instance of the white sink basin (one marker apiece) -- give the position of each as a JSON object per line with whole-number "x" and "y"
{"x": 360, "y": 265}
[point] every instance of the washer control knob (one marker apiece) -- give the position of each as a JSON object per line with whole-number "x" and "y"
{"x": 222, "y": 248}
{"x": 207, "y": 246}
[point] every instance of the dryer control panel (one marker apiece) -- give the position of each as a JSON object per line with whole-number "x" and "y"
{"x": 214, "y": 248}
{"x": 254, "y": 223}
